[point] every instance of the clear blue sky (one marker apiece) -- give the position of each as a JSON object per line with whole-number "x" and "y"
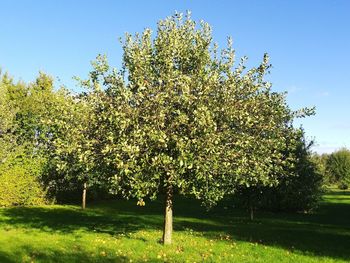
{"x": 308, "y": 42}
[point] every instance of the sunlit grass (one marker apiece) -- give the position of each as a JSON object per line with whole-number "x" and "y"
{"x": 120, "y": 231}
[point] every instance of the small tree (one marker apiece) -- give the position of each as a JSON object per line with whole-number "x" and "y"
{"x": 69, "y": 141}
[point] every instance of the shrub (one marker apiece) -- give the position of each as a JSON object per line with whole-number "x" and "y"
{"x": 20, "y": 184}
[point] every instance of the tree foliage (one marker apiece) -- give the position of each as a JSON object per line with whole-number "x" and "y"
{"x": 20, "y": 181}
{"x": 299, "y": 190}
{"x": 338, "y": 167}
{"x": 7, "y": 117}
{"x": 21, "y": 160}
{"x": 182, "y": 116}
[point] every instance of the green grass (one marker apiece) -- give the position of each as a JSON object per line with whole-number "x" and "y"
{"x": 120, "y": 231}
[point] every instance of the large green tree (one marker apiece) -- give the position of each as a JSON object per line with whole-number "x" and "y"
{"x": 181, "y": 117}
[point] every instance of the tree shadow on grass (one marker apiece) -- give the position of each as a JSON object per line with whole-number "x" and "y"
{"x": 4, "y": 257}
{"x": 326, "y": 233}
{"x": 28, "y": 254}
{"x": 338, "y": 192}
{"x": 68, "y": 220}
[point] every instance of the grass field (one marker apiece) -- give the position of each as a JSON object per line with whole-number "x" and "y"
{"x": 120, "y": 231}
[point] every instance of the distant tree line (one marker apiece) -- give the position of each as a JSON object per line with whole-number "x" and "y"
{"x": 335, "y": 167}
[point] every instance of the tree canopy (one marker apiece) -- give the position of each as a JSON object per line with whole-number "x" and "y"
{"x": 182, "y": 116}
{"x": 338, "y": 167}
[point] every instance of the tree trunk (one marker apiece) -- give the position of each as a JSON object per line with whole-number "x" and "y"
{"x": 251, "y": 212}
{"x": 250, "y": 205}
{"x": 83, "y": 204}
{"x": 168, "y": 216}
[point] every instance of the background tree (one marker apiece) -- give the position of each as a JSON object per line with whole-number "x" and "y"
{"x": 7, "y": 117}
{"x": 320, "y": 160}
{"x": 338, "y": 167}
{"x": 300, "y": 184}
{"x": 21, "y": 161}
{"x": 70, "y": 143}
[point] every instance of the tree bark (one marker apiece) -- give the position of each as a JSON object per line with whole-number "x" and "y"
{"x": 251, "y": 212}
{"x": 250, "y": 205}
{"x": 168, "y": 216}
{"x": 83, "y": 204}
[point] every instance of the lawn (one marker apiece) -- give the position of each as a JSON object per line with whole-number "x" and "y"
{"x": 120, "y": 231}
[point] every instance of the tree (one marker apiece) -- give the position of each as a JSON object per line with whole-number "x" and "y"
{"x": 320, "y": 161}
{"x": 70, "y": 140}
{"x": 300, "y": 184}
{"x": 7, "y": 117}
{"x": 179, "y": 117}
{"x": 25, "y": 105}
{"x": 301, "y": 192}
{"x": 21, "y": 164}
{"x": 338, "y": 167}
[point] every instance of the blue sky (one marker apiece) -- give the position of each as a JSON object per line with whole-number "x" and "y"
{"x": 308, "y": 42}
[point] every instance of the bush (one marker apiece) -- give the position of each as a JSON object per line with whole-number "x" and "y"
{"x": 20, "y": 184}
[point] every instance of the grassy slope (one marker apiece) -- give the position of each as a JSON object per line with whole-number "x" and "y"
{"x": 119, "y": 231}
